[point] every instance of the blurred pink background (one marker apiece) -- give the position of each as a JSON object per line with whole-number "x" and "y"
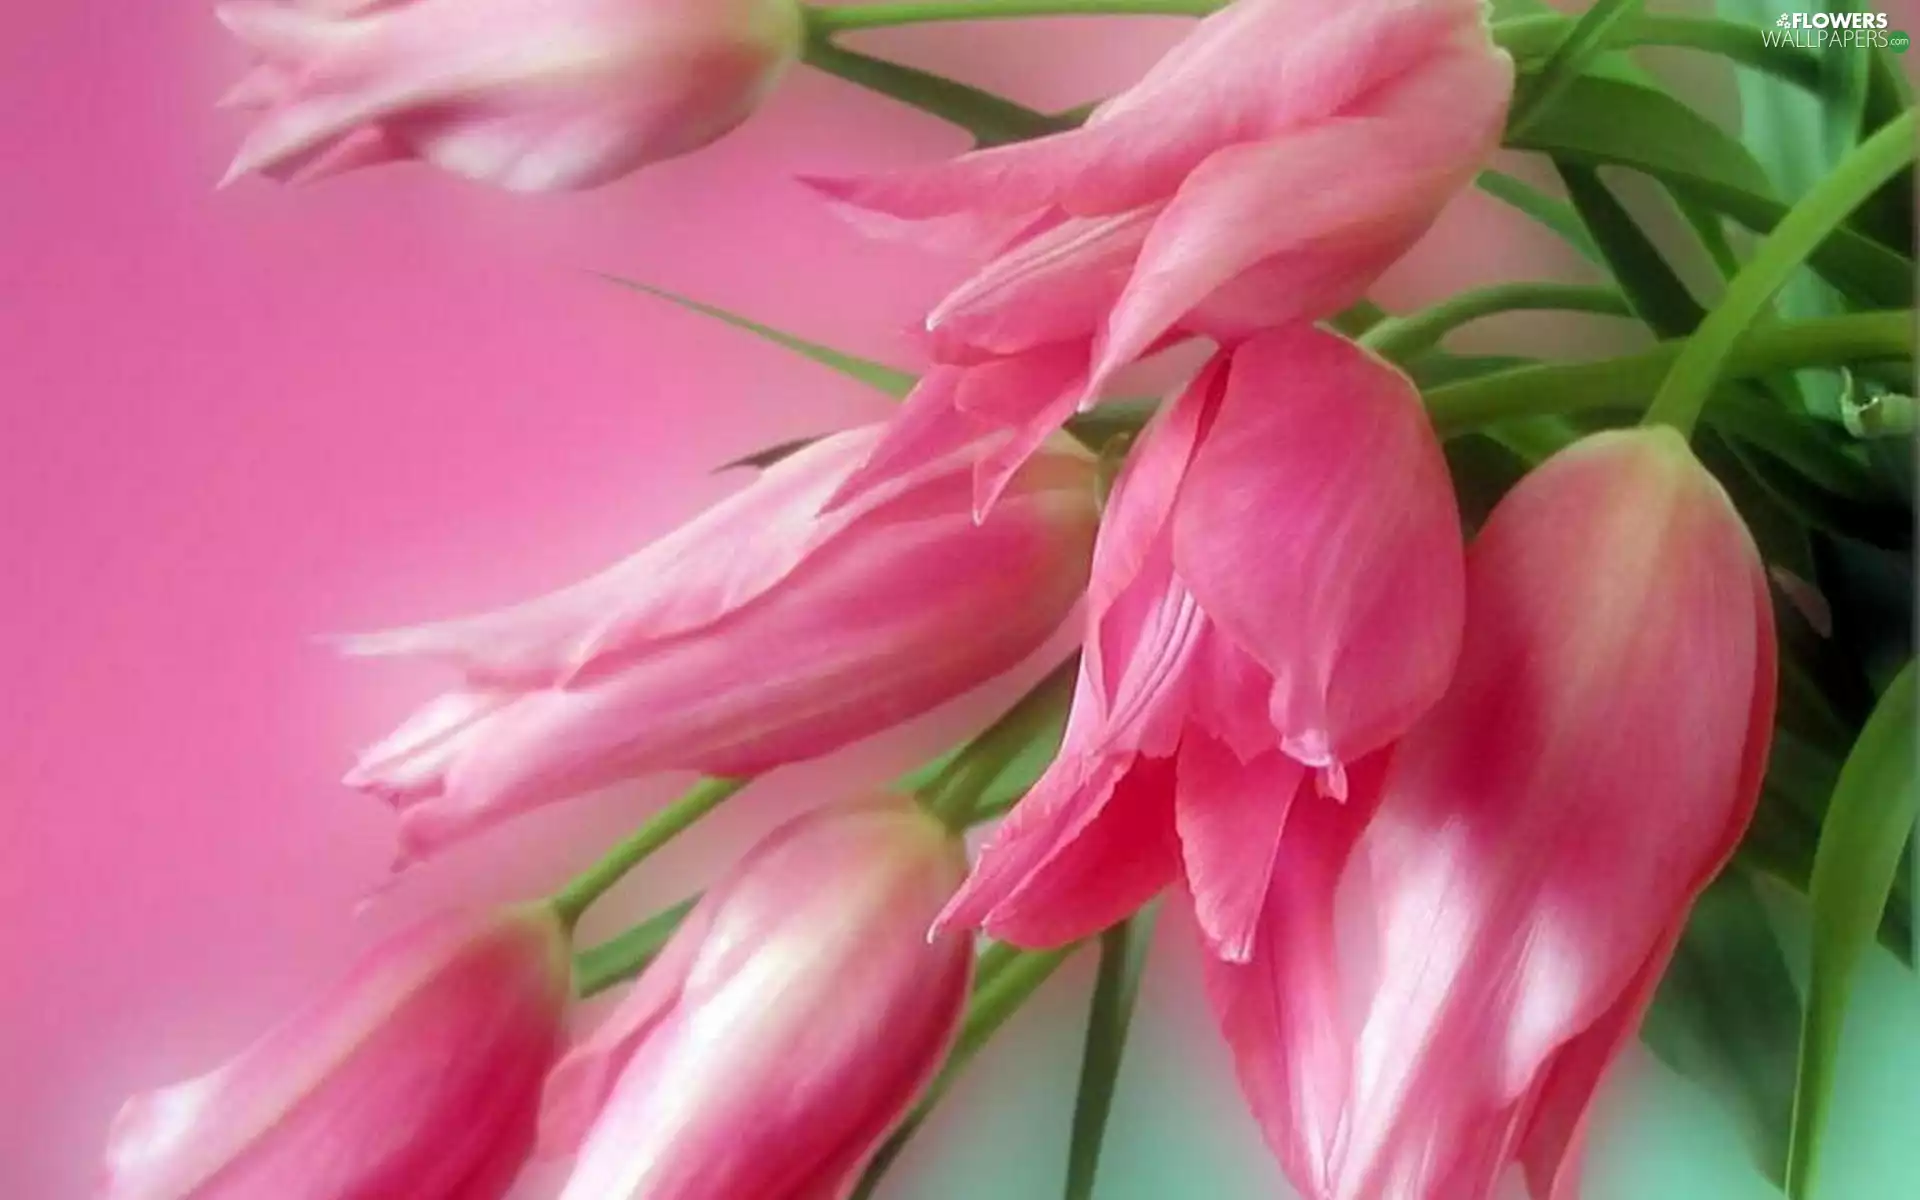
{"x": 233, "y": 421}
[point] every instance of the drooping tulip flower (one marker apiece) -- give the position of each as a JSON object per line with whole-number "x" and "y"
{"x": 529, "y": 95}
{"x": 1539, "y": 839}
{"x": 787, "y": 1027}
{"x": 420, "y": 1076}
{"x": 1264, "y": 172}
{"x": 1277, "y": 593}
{"x": 763, "y": 632}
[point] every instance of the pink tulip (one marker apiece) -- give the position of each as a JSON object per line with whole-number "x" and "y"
{"x": 1539, "y": 839}
{"x": 1277, "y": 592}
{"x": 786, "y": 1028}
{"x": 761, "y": 633}
{"x": 419, "y": 1077}
{"x": 1264, "y": 172}
{"x": 529, "y": 95}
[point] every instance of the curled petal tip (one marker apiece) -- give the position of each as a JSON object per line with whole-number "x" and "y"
{"x": 1331, "y": 782}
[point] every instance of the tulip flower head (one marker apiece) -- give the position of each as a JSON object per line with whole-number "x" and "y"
{"x": 420, "y": 1077}
{"x": 764, "y": 632}
{"x": 528, "y": 95}
{"x": 1264, "y": 172}
{"x": 1277, "y": 594}
{"x": 1539, "y": 839}
{"x": 786, "y": 1028}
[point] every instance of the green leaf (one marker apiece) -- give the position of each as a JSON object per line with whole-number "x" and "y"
{"x": 1774, "y": 261}
{"x": 1866, "y": 830}
{"x": 1726, "y": 1012}
{"x": 998, "y": 766}
{"x": 1123, "y": 958}
{"x": 992, "y": 120}
{"x": 620, "y": 958}
{"x": 1607, "y": 122}
{"x": 1556, "y": 215}
{"x": 879, "y": 376}
{"x": 1584, "y": 41}
{"x": 1652, "y": 287}
{"x": 1793, "y": 134}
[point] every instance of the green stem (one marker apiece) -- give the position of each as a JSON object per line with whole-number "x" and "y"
{"x": 954, "y": 793}
{"x": 991, "y": 119}
{"x": 1824, "y": 208}
{"x": 620, "y": 958}
{"x": 699, "y": 800}
{"x": 1123, "y": 954}
{"x": 835, "y": 18}
{"x": 994, "y": 1001}
{"x": 1586, "y": 39}
{"x": 1401, "y": 338}
{"x": 1621, "y": 382}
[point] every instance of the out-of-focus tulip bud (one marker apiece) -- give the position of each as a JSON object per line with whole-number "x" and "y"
{"x": 1277, "y": 592}
{"x": 420, "y": 1076}
{"x": 1539, "y": 839}
{"x": 1266, "y": 171}
{"x": 786, "y": 1028}
{"x": 763, "y": 632}
{"x": 529, "y": 95}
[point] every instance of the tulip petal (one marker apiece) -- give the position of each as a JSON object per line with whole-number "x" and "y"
{"x": 1349, "y": 178}
{"x": 1090, "y": 844}
{"x": 1285, "y": 1012}
{"x": 1546, "y": 826}
{"x": 1052, "y": 287}
{"x": 1550, "y": 1147}
{"x": 1220, "y": 86}
{"x": 1231, "y": 816}
{"x": 578, "y": 1087}
{"x": 1316, "y": 526}
{"x": 723, "y": 559}
{"x": 877, "y": 626}
{"x": 1362, "y": 189}
{"x": 736, "y": 1096}
{"x": 418, "y": 1072}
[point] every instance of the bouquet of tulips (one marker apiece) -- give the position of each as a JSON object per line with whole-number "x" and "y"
{"x": 1468, "y": 705}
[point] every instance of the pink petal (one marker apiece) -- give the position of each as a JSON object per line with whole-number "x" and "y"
{"x": 1360, "y": 189}
{"x": 1144, "y": 492}
{"x": 1550, "y": 1147}
{"x": 416, "y": 1076}
{"x": 579, "y": 1085}
{"x": 877, "y": 626}
{"x": 723, "y": 559}
{"x": 1349, "y": 178}
{"x": 1285, "y": 1012}
{"x": 1089, "y": 845}
{"x": 1316, "y": 526}
{"x": 1052, "y": 287}
{"x": 1231, "y": 816}
{"x": 1546, "y": 827}
{"x": 1220, "y": 86}
{"x": 734, "y": 1096}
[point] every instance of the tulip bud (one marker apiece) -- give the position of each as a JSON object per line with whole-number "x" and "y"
{"x": 528, "y": 95}
{"x": 787, "y": 1027}
{"x": 1277, "y": 592}
{"x": 1266, "y": 171}
{"x": 763, "y": 632}
{"x": 420, "y": 1076}
{"x": 1539, "y": 839}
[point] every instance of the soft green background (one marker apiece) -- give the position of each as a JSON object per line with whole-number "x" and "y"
{"x": 1179, "y": 1129}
